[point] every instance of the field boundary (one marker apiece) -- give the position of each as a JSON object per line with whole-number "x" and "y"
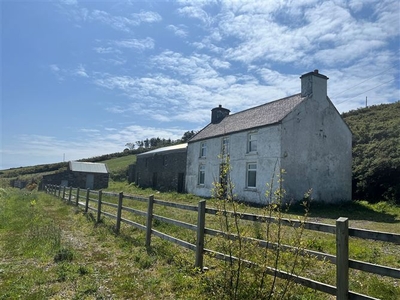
{"x": 341, "y": 230}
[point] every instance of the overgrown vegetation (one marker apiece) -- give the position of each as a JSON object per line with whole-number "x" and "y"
{"x": 376, "y": 152}
{"x": 249, "y": 271}
{"x": 52, "y": 250}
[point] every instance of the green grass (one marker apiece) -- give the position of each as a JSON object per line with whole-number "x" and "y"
{"x": 118, "y": 163}
{"x": 49, "y": 249}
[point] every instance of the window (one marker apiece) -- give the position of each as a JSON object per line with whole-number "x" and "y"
{"x": 203, "y": 149}
{"x": 251, "y": 177}
{"x": 252, "y": 142}
{"x": 225, "y": 146}
{"x": 202, "y": 174}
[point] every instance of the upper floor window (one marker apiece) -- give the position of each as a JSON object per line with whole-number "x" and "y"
{"x": 252, "y": 142}
{"x": 225, "y": 146}
{"x": 203, "y": 149}
{"x": 251, "y": 176}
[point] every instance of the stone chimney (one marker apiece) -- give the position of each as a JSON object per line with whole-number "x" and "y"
{"x": 314, "y": 85}
{"x": 218, "y": 114}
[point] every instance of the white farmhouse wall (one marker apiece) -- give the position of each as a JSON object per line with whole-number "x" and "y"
{"x": 267, "y": 158}
{"x": 316, "y": 151}
{"x": 303, "y": 134}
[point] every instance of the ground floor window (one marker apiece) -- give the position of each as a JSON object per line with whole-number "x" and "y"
{"x": 251, "y": 176}
{"x": 202, "y": 174}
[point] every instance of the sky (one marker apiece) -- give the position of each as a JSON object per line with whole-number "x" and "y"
{"x": 84, "y": 78}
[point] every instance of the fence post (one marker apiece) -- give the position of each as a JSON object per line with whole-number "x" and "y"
{"x": 63, "y": 197}
{"x": 149, "y": 221}
{"x": 77, "y": 197}
{"x": 70, "y": 194}
{"x": 59, "y": 191}
{"x": 99, "y": 207}
{"x": 201, "y": 220}
{"x": 342, "y": 258}
{"x": 119, "y": 212}
{"x": 87, "y": 201}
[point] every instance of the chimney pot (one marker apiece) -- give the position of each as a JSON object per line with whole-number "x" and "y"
{"x": 316, "y": 71}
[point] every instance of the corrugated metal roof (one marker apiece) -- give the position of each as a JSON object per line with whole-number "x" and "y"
{"x": 176, "y": 148}
{"x": 88, "y": 167}
{"x": 263, "y": 115}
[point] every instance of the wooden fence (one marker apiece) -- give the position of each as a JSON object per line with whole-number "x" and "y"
{"x": 342, "y": 231}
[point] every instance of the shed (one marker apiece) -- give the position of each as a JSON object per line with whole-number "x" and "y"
{"x": 82, "y": 175}
{"x": 162, "y": 169}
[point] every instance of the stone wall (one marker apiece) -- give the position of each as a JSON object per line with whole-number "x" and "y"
{"x": 163, "y": 171}
{"x": 76, "y": 179}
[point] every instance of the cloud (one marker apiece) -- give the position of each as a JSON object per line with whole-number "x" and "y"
{"x": 106, "y": 50}
{"x": 143, "y": 44}
{"x": 54, "y": 68}
{"x": 195, "y": 12}
{"x": 80, "y": 71}
{"x": 147, "y": 17}
{"x": 180, "y": 30}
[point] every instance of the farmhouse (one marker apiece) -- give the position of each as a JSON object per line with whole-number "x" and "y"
{"x": 80, "y": 174}
{"x": 302, "y": 134}
{"x": 162, "y": 169}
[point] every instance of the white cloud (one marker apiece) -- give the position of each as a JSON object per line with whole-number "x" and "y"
{"x": 195, "y": 12}
{"x": 180, "y": 30}
{"x": 106, "y": 50}
{"x": 54, "y": 68}
{"x": 147, "y": 17}
{"x": 143, "y": 44}
{"x": 80, "y": 71}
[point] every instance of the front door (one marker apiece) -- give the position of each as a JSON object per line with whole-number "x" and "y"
{"x": 181, "y": 182}
{"x": 90, "y": 181}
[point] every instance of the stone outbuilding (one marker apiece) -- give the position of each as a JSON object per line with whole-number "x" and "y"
{"x": 80, "y": 174}
{"x": 162, "y": 169}
{"x": 302, "y": 134}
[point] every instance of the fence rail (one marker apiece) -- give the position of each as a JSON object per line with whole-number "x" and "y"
{"x": 341, "y": 230}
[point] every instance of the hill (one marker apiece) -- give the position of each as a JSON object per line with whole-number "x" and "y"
{"x": 376, "y": 152}
{"x": 376, "y": 156}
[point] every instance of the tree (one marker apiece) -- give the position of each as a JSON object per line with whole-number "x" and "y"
{"x": 187, "y": 136}
{"x": 376, "y": 154}
{"x": 130, "y": 146}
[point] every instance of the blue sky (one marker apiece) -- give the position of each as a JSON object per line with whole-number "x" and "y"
{"x": 83, "y": 78}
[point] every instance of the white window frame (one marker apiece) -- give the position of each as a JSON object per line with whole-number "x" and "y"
{"x": 203, "y": 149}
{"x": 251, "y": 167}
{"x": 252, "y": 142}
{"x": 202, "y": 174}
{"x": 225, "y": 146}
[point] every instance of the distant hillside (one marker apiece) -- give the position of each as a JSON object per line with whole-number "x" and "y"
{"x": 376, "y": 152}
{"x": 376, "y": 155}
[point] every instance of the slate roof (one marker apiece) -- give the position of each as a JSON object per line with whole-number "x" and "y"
{"x": 88, "y": 167}
{"x": 174, "y": 148}
{"x": 259, "y": 116}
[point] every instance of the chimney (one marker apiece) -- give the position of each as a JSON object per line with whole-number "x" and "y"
{"x": 314, "y": 84}
{"x": 218, "y": 114}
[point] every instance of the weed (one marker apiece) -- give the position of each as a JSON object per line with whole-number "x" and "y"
{"x": 64, "y": 254}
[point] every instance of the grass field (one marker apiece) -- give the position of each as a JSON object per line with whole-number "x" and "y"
{"x": 50, "y": 250}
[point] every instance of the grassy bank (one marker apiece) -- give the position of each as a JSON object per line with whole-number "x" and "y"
{"x": 52, "y": 250}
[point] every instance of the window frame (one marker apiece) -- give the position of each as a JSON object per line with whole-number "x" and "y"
{"x": 252, "y": 170}
{"x": 203, "y": 149}
{"x": 201, "y": 175}
{"x": 252, "y": 142}
{"x": 225, "y": 143}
